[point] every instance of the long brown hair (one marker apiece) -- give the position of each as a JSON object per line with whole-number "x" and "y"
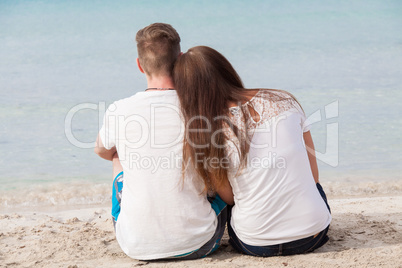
{"x": 206, "y": 83}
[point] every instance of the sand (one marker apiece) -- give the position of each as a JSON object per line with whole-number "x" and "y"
{"x": 365, "y": 232}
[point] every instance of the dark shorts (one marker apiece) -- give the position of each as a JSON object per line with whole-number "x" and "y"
{"x": 217, "y": 204}
{"x": 220, "y": 208}
{"x": 300, "y": 246}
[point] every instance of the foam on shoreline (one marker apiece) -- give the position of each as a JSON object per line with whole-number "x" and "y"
{"x": 57, "y": 195}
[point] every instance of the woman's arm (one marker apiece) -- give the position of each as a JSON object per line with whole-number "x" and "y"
{"x": 308, "y": 140}
{"x": 225, "y": 192}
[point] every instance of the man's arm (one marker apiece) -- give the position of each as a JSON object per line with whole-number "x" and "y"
{"x": 102, "y": 151}
{"x": 308, "y": 140}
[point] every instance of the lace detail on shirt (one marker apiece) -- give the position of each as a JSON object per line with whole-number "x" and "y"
{"x": 267, "y": 104}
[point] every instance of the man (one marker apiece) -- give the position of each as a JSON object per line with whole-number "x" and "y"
{"x": 158, "y": 212}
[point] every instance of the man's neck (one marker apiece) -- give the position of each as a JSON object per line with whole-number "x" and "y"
{"x": 160, "y": 82}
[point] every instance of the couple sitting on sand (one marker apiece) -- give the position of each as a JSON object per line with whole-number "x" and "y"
{"x": 196, "y": 150}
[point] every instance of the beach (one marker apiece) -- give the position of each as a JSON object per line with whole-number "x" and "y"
{"x": 366, "y": 231}
{"x": 64, "y": 62}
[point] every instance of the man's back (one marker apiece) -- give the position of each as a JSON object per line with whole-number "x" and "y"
{"x": 161, "y": 215}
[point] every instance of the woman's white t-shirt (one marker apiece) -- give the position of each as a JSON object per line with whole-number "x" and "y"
{"x": 161, "y": 214}
{"x": 276, "y": 199}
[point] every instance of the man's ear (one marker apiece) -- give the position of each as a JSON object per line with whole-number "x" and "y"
{"x": 139, "y": 66}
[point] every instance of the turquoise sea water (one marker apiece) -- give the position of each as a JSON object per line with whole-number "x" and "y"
{"x": 55, "y": 55}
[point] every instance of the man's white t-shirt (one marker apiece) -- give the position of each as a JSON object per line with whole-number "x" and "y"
{"x": 276, "y": 199}
{"x": 161, "y": 214}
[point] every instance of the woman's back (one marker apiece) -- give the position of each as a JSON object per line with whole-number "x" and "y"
{"x": 276, "y": 199}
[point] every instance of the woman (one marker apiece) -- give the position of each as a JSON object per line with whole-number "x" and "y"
{"x": 251, "y": 144}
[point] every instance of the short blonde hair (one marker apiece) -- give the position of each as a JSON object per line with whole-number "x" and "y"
{"x": 158, "y": 48}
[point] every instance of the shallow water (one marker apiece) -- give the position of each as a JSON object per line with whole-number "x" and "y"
{"x": 57, "y": 55}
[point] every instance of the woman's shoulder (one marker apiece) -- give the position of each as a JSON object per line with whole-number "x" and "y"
{"x": 271, "y": 97}
{"x": 270, "y": 94}
{"x": 272, "y": 102}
